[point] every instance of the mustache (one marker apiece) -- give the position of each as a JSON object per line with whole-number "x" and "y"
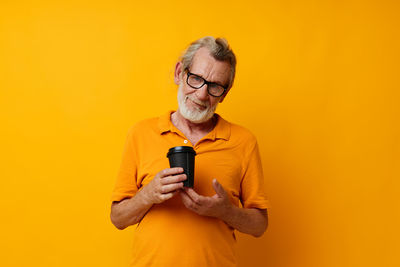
{"x": 197, "y": 101}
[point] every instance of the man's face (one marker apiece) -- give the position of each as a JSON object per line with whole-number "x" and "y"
{"x": 197, "y": 105}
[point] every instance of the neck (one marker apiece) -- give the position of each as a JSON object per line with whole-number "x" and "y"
{"x": 185, "y": 125}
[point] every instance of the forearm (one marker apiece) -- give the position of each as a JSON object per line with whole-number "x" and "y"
{"x": 130, "y": 211}
{"x": 162, "y": 187}
{"x": 248, "y": 221}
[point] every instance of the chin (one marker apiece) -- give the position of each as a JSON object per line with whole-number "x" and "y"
{"x": 192, "y": 114}
{"x": 194, "y": 117}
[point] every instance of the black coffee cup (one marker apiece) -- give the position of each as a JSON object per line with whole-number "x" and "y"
{"x": 183, "y": 156}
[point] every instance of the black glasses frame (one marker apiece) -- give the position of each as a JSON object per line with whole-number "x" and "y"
{"x": 204, "y": 82}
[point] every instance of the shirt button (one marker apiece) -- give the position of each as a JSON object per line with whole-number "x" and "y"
{"x": 185, "y": 141}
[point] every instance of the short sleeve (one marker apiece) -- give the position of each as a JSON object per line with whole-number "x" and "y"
{"x": 125, "y": 186}
{"x": 252, "y": 185}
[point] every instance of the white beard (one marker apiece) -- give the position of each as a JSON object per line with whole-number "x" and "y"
{"x": 195, "y": 116}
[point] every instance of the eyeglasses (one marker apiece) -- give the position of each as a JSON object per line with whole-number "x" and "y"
{"x": 196, "y": 82}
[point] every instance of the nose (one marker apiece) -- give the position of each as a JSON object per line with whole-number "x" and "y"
{"x": 202, "y": 93}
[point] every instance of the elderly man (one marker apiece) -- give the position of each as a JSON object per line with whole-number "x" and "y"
{"x": 197, "y": 227}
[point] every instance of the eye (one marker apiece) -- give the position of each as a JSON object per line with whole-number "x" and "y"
{"x": 197, "y": 79}
{"x": 216, "y": 89}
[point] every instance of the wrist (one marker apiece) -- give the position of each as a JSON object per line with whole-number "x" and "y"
{"x": 227, "y": 212}
{"x": 146, "y": 197}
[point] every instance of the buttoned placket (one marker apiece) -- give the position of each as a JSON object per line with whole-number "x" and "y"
{"x": 186, "y": 141}
{"x": 210, "y": 136}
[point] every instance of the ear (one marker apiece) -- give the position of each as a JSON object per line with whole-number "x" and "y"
{"x": 178, "y": 73}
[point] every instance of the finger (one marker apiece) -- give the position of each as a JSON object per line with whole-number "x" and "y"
{"x": 168, "y": 196}
{"x": 170, "y": 171}
{"x": 193, "y": 195}
{"x": 187, "y": 201}
{"x": 173, "y": 179}
{"x": 218, "y": 188}
{"x": 171, "y": 187}
{"x": 185, "y": 198}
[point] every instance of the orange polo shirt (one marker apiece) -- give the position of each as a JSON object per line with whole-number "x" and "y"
{"x": 170, "y": 234}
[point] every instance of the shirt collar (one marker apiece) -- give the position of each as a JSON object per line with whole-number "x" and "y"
{"x": 221, "y": 131}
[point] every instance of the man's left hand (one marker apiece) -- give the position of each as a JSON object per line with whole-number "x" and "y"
{"x": 216, "y": 206}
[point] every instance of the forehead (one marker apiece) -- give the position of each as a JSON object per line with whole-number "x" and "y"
{"x": 209, "y": 68}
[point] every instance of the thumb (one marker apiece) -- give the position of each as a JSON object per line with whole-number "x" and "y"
{"x": 218, "y": 188}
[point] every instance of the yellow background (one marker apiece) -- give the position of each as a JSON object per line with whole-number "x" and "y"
{"x": 317, "y": 83}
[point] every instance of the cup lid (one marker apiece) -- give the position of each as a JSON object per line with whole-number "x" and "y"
{"x": 181, "y": 149}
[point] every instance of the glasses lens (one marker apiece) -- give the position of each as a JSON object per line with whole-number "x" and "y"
{"x": 195, "y": 81}
{"x": 215, "y": 89}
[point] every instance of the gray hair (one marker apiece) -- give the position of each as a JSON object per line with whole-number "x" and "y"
{"x": 218, "y": 48}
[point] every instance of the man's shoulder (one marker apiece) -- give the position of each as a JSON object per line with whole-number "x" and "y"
{"x": 241, "y": 134}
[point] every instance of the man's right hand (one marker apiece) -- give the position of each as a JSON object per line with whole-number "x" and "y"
{"x": 164, "y": 185}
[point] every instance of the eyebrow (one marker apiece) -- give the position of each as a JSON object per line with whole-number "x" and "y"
{"x": 220, "y": 84}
